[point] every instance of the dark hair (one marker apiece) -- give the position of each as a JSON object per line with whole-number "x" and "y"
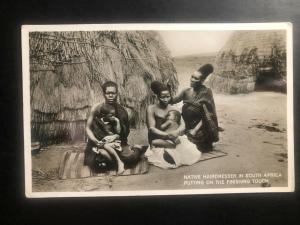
{"x": 109, "y": 84}
{"x": 106, "y": 109}
{"x": 157, "y": 87}
{"x": 206, "y": 69}
{"x": 176, "y": 113}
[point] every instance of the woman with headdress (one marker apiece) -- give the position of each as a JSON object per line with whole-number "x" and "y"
{"x": 168, "y": 148}
{"x": 199, "y": 111}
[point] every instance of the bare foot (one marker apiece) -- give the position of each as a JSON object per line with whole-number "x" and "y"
{"x": 120, "y": 168}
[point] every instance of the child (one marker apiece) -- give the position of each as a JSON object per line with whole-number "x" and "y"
{"x": 172, "y": 123}
{"x": 111, "y": 125}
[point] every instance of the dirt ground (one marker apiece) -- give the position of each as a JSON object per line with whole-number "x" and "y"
{"x": 254, "y": 137}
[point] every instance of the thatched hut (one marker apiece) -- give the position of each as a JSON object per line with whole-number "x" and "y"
{"x": 67, "y": 70}
{"x": 251, "y": 60}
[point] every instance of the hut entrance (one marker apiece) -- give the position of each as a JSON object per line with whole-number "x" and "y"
{"x": 268, "y": 80}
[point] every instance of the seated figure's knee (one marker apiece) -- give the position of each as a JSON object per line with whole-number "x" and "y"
{"x": 105, "y": 154}
{"x": 107, "y": 145}
{"x": 163, "y": 143}
{"x": 155, "y": 142}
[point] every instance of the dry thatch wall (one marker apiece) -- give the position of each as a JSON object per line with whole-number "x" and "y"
{"x": 67, "y": 70}
{"x": 244, "y": 54}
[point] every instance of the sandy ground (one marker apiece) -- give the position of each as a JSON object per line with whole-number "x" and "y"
{"x": 254, "y": 137}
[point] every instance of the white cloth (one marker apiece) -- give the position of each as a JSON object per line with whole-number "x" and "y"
{"x": 185, "y": 153}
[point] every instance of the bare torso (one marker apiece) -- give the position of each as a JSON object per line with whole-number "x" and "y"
{"x": 156, "y": 116}
{"x": 160, "y": 113}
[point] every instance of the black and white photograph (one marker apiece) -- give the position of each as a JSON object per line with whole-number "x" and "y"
{"x": 157, "y": 109}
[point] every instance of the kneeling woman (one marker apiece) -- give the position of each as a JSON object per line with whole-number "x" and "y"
{"x": 168, "y": 148}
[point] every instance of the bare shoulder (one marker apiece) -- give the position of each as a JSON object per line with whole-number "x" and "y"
{"x": 186, "y": 90}
{"x": 151, "y": 108}
{"x": 96, "y": 107}
{"x": 182, "y": 95}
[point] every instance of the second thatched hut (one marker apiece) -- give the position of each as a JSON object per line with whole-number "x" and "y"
{"x": 251, "y": 60}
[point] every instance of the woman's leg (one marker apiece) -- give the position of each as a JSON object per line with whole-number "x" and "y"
{"x": 160, "y": 143}
{"x": 104, "y": 154}
{"x": 112, "y": 151}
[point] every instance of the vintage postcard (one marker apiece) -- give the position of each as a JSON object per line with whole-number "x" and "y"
{"x": 157, "y": 109}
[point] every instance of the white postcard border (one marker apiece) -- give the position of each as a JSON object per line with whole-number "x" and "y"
{"x": 176, "y": 27}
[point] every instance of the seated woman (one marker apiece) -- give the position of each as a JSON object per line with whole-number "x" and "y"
{"x": 172, "y": 124}
{"x": 156, "y": 117}
{"x": 168, "y": 148}
{"x": 199, "y": 111}
{"x": 99, "y": 157}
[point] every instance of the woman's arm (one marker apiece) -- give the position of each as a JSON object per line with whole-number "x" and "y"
{"x": 151, "y": 123}
{"x": 194, "y": 131}
{"x": 88, "y": 128}
{"x": 179, "y": 97}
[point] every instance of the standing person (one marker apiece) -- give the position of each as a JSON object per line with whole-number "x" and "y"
{"x": 199, "y": 111}
{"x": 103, "y": 160}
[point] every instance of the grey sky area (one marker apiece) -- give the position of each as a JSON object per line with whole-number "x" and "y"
{"x": 194, "y": 42}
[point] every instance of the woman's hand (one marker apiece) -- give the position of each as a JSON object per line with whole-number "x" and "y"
{"x": 172, "y": 135}
{"x": 192, "y": 132}
{"x": 99, "y": 144}
{"x": 196, "y": 129}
